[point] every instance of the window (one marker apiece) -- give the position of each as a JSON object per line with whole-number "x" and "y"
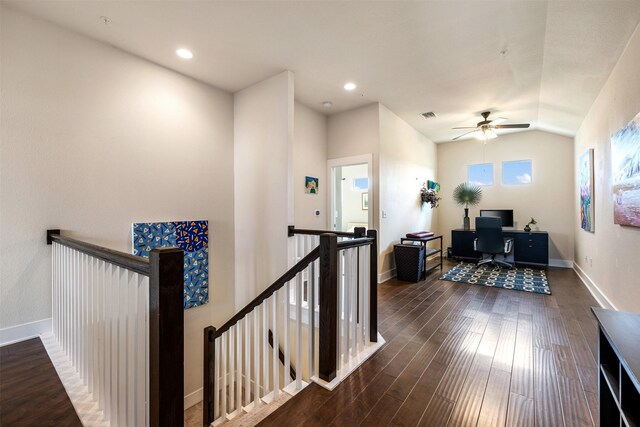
{"x": 360, "y": 184}
{"x": 481, "y": 174}
{"x": 516, "y": 173}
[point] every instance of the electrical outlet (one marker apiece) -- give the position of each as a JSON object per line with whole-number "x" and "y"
{"x": 384, "y": 213}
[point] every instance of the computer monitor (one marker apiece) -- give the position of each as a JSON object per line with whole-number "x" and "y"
{"x": 506, "y": 215}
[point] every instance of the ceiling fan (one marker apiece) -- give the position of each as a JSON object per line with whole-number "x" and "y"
{"x": 484, "y": 130}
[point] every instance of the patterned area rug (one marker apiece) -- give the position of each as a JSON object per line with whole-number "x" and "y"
{"x": 520, "y": 279}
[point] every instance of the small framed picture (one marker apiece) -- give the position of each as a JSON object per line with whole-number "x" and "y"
{"x": 365, "y": 201}
{"x": 310, "y": 185}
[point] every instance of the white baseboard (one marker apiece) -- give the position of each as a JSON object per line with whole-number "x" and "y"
{"x": 24, "y": 332}
{"x": 192, "y": 399}
{"x": 597, "y": 294}
{"x": 384, "y": 276}
{"x": 562, "y": 263}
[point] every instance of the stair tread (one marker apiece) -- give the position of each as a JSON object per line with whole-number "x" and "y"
{"x": 254, "y": 417}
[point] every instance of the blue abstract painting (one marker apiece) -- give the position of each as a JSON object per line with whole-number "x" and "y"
{"x": 190, "y": 236}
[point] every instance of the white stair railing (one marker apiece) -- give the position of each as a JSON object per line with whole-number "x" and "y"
{"x": 243, "y": 370}
{"x": 112, "y": 323}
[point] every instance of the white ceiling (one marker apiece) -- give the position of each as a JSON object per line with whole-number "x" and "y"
{"x": 441, "y": 56}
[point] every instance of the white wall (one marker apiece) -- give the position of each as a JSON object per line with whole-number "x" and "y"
{"x": 309, "y": 159}
{"x": 407, "y": 159}
{"x": 612, "y": 267}
{"x": 263, "y": 139}
{"x": 353, "y": 133}
{"x": 549, "y": 198}
{"x": 94, "y": 139}
{"x": 403, "y": 158}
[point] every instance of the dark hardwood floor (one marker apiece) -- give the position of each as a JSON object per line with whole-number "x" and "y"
{"x": 30, "y": 391}
{"x": 466, "y": 355}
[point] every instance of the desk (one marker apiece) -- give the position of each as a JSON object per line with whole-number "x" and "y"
{"x": 530, "y": 248}
{"x": 427, "y": 251}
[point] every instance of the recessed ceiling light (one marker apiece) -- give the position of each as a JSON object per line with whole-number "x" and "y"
{"x": 184, "y": 53}
{"x": 327, "y": 104}
{"x": 350, "y": 86}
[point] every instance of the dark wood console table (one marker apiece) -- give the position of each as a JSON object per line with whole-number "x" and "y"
{"x": 619, "y": 367}
{"x": 530, "y": 248}
{"x": 427, "y": 251}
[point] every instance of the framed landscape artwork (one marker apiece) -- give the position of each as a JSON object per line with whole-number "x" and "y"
{"x": 586, "y": 190}
{"x": 190, "y": 236}
{"x": 625, "y": 166}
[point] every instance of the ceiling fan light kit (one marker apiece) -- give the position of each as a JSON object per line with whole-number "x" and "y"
{"x": 484, "y": 130}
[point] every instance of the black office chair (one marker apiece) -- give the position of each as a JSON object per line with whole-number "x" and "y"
{"x": 489, "y": 240}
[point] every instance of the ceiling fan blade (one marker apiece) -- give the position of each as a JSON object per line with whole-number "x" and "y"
{"x": 498, "y": 121}
{"x": 464, "y": 134}
{"x": 514, "y": 126}
{"x": 466, "y": 127}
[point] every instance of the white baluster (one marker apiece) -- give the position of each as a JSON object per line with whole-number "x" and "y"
{"x": 54, "y": 292}
{"x": 84, "y": 306}
{"x": 276, "y": 359}
{"x": 287, "y": 335}
{"x": 132, "y": 306}
{"x": 91, "y": 309}
{"x": 256, "y": 356}
{"x": 140, "y": 370}
{"x": 223, "y": 356}
{"x": 122, "y": 349}
{"x": 361, "y": 267}
{"x": 299, "y": 290}
{"x": 232, "y": 368}
{"x": 107, "y": 296}
{"x": 365, "y": 287}
{"x": 216, "y": 373}
{"x": 265, "y": 349}
{"x": 247, "y": 359}
{"x": 74, "y": 309}
{"x": 346, "y": 306}
{"x": 353, "y": 283}
{"x": 311, "y": 283}
{"x": 114, "y": 285}
{"x": 239, "y": 365}
{"x": 340, "y": 310}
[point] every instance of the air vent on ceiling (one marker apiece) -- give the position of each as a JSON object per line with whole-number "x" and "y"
{"x": 428, "y": 115}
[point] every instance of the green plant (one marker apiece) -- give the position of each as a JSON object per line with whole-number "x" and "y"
{"x": 532, "y": 222}
{"x": 467, "y": 195}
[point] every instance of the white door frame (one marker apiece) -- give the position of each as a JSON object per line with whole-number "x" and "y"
{"x": 349, "y": 161}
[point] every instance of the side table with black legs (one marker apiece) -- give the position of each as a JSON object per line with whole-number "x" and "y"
{"x": 427, "y": 251}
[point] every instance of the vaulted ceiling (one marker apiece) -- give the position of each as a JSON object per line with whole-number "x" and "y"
{"x": 542, "y": 62}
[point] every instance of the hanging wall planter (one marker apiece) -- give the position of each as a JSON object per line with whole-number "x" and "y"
{"x": 429, "y": 193}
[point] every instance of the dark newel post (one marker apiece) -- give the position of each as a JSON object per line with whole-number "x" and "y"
{"x": 328, "y": 316}
{"x": 360, "y": 231}
{"x": 166, "y": 338}
{"x": 51, "y": 233}
{"x": 209, "y": 379}
{"x": 290, "y": 229}
{"x": 373, "y": 286}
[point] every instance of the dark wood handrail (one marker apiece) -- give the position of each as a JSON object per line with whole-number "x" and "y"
{"x": 354, "y": 243}
{"x": 292, "y": 230}
{"x": 299, "y": 267}
{"x": 121, "y": 259}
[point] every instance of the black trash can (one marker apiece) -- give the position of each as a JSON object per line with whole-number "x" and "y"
{"x": 409, "y": 262}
